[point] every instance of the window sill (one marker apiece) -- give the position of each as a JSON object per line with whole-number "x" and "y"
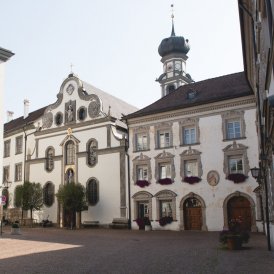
{"x": 189, "y": 145}
{"x": 18, "y": 153}
{"x": 141, "y": 150}
{"x": 159, "y": 148}
{"x": 232, "y": 139}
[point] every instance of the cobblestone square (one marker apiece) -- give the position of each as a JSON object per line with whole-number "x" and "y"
{"x": 52, "y": 250}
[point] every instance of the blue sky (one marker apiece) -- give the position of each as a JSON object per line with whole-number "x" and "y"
{"x": 113, "y": 45}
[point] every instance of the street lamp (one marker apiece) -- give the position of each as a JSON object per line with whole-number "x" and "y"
{"x": 255, "y": 172}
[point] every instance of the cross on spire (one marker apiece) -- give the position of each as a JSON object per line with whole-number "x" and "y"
{"x": 71, "y": 65}
{"x": 172, "y": 18}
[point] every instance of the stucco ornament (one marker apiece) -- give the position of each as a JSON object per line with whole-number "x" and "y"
{"x": 213, "y": 177}
{"x": 47, "y": 120}
{"x": 70, "y": 89}
{"x": 94, "y": 106}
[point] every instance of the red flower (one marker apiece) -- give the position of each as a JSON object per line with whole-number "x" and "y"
{"x": 236, "y": 177}
{"x": 192, "y": 179}
{"x": 142, "y": 183}
{"x": 165, "y": 181}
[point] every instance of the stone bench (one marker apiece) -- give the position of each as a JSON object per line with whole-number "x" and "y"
{"x": 87, "y": 224}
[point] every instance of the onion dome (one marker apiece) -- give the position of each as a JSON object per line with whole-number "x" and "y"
{"x": 173, "y": 44}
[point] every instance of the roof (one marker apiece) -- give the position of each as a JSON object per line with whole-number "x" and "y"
{"x": 20, "y": 122}
{"x": 204, "y": 92}
{"x": 5, "y": 54}
{"x": 118, "y": 107}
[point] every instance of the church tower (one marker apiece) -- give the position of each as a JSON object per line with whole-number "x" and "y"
{"x": 173, "y": 51}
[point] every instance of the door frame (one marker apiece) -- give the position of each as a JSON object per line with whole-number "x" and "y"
{"x": 203, "y": 208}
{"x": 252, "y": 208}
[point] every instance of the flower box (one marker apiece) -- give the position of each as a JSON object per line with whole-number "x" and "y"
{"x": 236, "y": 177}
{"x": 143, "y": 222}
{"x": 192, "y": 179}
{"x": 165, "y": 220}
{"x": 165, "y": 181}
{"x": 142, "y": 183}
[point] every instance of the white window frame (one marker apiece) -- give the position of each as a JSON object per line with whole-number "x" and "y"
{"x": 237, "y": 162}
{"x": 142, "y": 172}
{"x": 141, "y": 141}
{"x": 188, "y": 137}
{"x": 18, "y": 172}
{"x": 164, "y": 139}
{"x": 231, "y": 133}
{"x": 191, "y": 168}
{"x": 19, "y": 144}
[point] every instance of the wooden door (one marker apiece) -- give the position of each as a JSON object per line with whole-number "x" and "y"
{"x": 239, "y": 209}
{"x": 192, "y": 214}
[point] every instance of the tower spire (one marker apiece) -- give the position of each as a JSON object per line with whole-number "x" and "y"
{"x": 172, "y": 18}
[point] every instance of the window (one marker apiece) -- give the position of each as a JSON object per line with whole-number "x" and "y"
{"x": 235, "y": 165}
{"x": 59, "y": 119}
{"x": 82, "y": 113}
{"x": 165, "y": 204}
{"x": 191, "y": 164}
{"x": 233, "y": 125}
{"x": 164, "y": 166}
{"x": 191, "y": 168}
{"x": 70, "y": 153}
{"x": 18, "y": 144}
{"x": 141, "y": 142}
{"x": 142, "y": 173}
{"x": 170, "y": 88}
{"x": 142, "y": 205}
{"x": 191, "y": 94}
{"x": 48, "y": 194}
{"x": 6, "y": 174}
{"x": 141, "y": 168}
{"x": 91, "y": 152}
{"x": 189, "y": 133}
{"x": 7, "y": 148}
{"x": 189, "y": 136}
{"x": 165, "y": 171}
{"x": 165, "y": 209}
{"x": 235, "y": 159}
{"x": 163, "y": 139}
{"x": 92, "y": 191}
{"x": 233, "y": 129}
{"x": 49, "y": 159}
{"x": 18, "y": 172}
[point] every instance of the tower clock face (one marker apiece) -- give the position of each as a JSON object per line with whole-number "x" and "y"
{"x": 169, "y": 67}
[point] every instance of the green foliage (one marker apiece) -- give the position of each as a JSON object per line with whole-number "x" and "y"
{"x": 18, "y": 196}
{"x": 72, "y": 196}
{"x": 31, "y": 196}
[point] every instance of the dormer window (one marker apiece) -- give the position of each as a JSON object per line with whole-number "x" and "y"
{"x": 192, "y": 94}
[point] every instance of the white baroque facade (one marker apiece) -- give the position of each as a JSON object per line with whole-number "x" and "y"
{"x": 183, "y": 150}
{"x": 79, "y": 138}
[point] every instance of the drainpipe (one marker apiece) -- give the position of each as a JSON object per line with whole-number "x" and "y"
{"x": 128, "y": 180}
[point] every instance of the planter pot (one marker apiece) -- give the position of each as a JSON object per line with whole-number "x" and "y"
{"x": 148, "y": 228}
{"x": 234, "y": 243}
{"x": 15, "y": 231}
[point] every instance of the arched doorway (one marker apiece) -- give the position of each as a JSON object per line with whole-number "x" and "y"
{"x": 238, "y": 208}
{"x": 193, "y": 214}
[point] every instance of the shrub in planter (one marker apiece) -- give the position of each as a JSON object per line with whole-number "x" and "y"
{"x": 165, "y": 181}
{"x": 15, "y": 225}
{"x": 142, "y": 222}
{"x": 142, "y": 183}
{"x": 165, "y": 220}
{"x": 236, "y": 177}
{"x": 192, "y": 179}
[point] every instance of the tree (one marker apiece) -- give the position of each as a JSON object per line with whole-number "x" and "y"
{"x": 32, "y": 196}
{"x": 73, "y": 198}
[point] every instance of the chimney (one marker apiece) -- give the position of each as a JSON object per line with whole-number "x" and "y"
{"x": 26, "y": 108}
{"x": 9, "y": 115}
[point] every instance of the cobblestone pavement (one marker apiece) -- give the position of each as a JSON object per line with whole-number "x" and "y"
{"x": 52, "y": 250}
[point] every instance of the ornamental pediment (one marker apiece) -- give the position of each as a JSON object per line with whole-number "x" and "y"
{"x": 235, "y": 146}
{"x": 190, "y": 152}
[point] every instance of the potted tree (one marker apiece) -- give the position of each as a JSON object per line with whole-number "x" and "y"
{"x": 235, "y": 236}
{"x": 15, "y": 228}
